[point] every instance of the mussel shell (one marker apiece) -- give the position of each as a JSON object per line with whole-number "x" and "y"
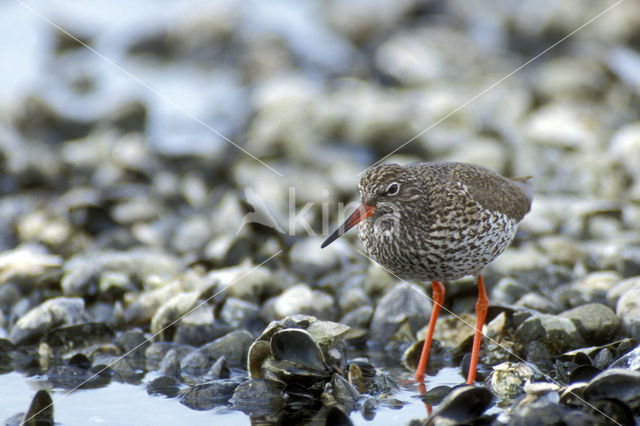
{"x": 612, "y": 410}
{"x": 291, "y": 372}
{"x": 623, "y": 385}
{"x": 464, "y": 403}
{"x": 297, "y": 346}
{"x": 259, "y": 351}
{"x": 337, "y": 417}
{"x": 583, "y": 373}
{"x": 435, "y": 395}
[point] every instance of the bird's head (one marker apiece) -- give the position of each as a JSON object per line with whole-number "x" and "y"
{"x": 383, "y": 190}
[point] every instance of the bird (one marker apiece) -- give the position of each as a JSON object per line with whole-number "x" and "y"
{"x": 438, "y": 222}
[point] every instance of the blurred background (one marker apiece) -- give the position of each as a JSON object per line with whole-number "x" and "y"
{"x": 158, "y": 125}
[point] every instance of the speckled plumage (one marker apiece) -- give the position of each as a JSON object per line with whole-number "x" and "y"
{"x": 447, "y": 220}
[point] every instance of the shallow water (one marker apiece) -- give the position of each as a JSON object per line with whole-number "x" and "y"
{"x": 120, "y": 404}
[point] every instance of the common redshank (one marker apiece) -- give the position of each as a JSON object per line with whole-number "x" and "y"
{"x": 438, "y": 222}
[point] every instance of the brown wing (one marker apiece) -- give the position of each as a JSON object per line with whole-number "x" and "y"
{"x": 496, "y": 193}
{"x": 492, "y": 191}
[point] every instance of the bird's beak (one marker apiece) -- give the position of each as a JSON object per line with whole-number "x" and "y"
{"x": 362, "y": 212}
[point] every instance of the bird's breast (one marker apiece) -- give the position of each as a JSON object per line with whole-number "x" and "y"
{"x": 450, "y": 247}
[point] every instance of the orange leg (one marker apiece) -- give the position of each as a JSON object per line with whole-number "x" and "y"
{"x": 438, "y": 299}
{"x": 481, "y": 312}
{"x": 423, "y": 389}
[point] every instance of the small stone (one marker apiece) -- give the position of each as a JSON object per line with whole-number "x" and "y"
{"x": 168, "y": 386}
{"x": 558, "y": 335}
{"x": 358, "y": 318}
{"x": 596, "y": 322}
{"x": 353, "y": 298}
{"x": 56, "y": 312}
{"x": 600, "y": 281}
{"x": 402, "y": 304}
{"x": 27, "y": 261}
{"x": 240, "y": 314}
{"x": 171, "y": 311}
{"x": 628, "y": 310}
{"x": 301, "y": 299}
{"x": 539, "y": 303}
{"x": 170, "y": 365}
{"x": 233, "y": 346}
{"x": 616, "y": 291}
{"x": 205, "y": 396}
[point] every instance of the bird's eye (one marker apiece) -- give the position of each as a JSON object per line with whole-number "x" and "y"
{"x": 393, "y": 188}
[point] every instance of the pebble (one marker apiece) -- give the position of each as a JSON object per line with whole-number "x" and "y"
{"x": 53, "y": 313}
{"x": 557, "y": 334}
{"x": 620, "y": 288}
{"x": 233, "y": 346}
{"x": 401, "y": 305}
{"x": 596, "y": 322}
{"x": 301, "y": 299}
{"x": 628, "y": 310}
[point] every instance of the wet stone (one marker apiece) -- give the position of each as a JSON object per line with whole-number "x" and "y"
{"x": 168, "y": 386}
{"x": 205, "y": 396}
{"x": 74, "y": 377}
{"x": 158, "y": 350}
{"x": 170, "y": 365}
{"x": 233, "y": 346}
{"x": 133, "y": 343}
{"x": 602, "y": 358}
{"x": 196, "y": 363}
{"x": 6, "y": 351}
{"x": 219, "y": 369}
{"x": 72, "y": 337}
{"x": 597, "y": 323}
{"x": 123, "y": 370}
{"x": 26, "y": 263}
{"x": 195, "y": 334}
{"x": 258, "y": 397}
